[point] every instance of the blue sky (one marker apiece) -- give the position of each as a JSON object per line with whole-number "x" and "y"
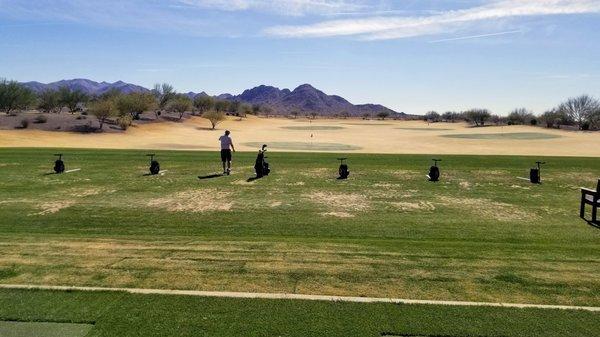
{"x": 410, "y": 55}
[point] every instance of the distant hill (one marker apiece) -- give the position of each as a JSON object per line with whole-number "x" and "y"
{"x": 303, "y": 100}
{"x": 87, "y": 86}
{"x": 307, "y": 99}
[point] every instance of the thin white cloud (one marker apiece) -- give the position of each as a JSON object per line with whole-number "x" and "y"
{"x": 282, "y": 7}
{"x": 395, "y": 27}
{"x": 477, "y": 36}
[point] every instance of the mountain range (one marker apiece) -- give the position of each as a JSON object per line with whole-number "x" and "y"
{"x": 303, "y": 99}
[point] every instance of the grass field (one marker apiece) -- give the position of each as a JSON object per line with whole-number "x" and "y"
{"x": 121, "y": 314}
{"x": 480, "y": 234}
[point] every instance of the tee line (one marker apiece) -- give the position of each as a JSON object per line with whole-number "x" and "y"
{"x": 286, "y": 296}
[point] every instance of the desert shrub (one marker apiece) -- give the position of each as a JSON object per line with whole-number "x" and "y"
{"x": 40, "y": 119}
{"x": 124, "y": 122}
{"x": 24, "y": 123}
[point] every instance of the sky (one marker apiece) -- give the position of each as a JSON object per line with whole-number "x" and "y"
{"x": 410, "y": 55}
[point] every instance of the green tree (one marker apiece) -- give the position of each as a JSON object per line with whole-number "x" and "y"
{"x": 245, "y": 110}
{"x": 255, "y": 109}
{"x": 14, "y": 96}
{"x": 234, "y": 107}
{"x": 134, "y": 104}
{"x": 72, "y": 98}
{"x": 221, "y": 105}
{"x": 49, "y": 101}
{"x": 204, "y": 103}
{"x": 104, "y": 109}
{"x": 180, "y": 104}
{"x": 214, "y": 116}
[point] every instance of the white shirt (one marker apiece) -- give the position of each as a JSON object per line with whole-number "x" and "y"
{"x": 225, "y": 142}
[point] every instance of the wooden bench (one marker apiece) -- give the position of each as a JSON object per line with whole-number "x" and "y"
{"x": 590, "y": 197}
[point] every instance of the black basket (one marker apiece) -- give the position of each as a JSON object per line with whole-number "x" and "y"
{"x": 59, "y": 166}
{"x": 534, "y": 176}
{"x": 434, "y": 173}
{"x": 154, "y": 167}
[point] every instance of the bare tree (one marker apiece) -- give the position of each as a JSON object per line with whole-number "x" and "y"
{"x": 521, "y": 116}
{"x": 163, "y": 93}
{"x": 432, "y": 116}
{"x": 477, "y": 116}
{"x": 580, "y": 109}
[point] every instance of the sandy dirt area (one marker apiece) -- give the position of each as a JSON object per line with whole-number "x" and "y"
{"x": 322, "y": 135}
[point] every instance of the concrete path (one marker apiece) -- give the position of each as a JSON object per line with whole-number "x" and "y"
{"x": 283, "y": 296}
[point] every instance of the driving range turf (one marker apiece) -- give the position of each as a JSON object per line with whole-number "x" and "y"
{"x": 480, "y": 234}
{"x": 121, "y": 314}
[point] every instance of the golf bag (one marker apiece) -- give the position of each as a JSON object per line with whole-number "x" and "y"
{"x": 59, "y": 165}
{"x": 343, "y": 170}
{"x": 261, "y": 166}
{"x": 154, "y": 165}
{"x": 434, "y": 171}
{"x": 534, "y": 176}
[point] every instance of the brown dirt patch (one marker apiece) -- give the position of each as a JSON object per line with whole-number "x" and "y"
{"x": 53, "y": 207}
{"x": 487, "y": 208}
{"x": 338, "y": 214}
{"x": 204, "y": 200}
{"x": 339, "y": 201}
{"x": 414, "y": 206}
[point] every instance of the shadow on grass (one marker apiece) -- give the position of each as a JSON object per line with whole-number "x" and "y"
{"x": 210, "y": 176}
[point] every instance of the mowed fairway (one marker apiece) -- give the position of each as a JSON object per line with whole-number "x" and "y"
{"x": 480, "y": 234}
{"x": 118, "y": 314}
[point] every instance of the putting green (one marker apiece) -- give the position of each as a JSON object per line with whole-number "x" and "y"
{"x": 313, "y": 127}
{"x": 43, "y": 329}
{"x": 306, "y": 146}
{"x": 514, "y": 135}
{"x": 424, "y": 129}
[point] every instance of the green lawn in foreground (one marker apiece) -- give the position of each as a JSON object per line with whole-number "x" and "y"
{"x": 120, "y": 314}
{"x": 480, "y": 234}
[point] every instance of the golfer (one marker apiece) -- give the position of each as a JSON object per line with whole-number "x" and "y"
{"x": 226, "y": 147}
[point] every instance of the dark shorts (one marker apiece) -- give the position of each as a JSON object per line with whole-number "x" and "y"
{"x": 225, "y": 155}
